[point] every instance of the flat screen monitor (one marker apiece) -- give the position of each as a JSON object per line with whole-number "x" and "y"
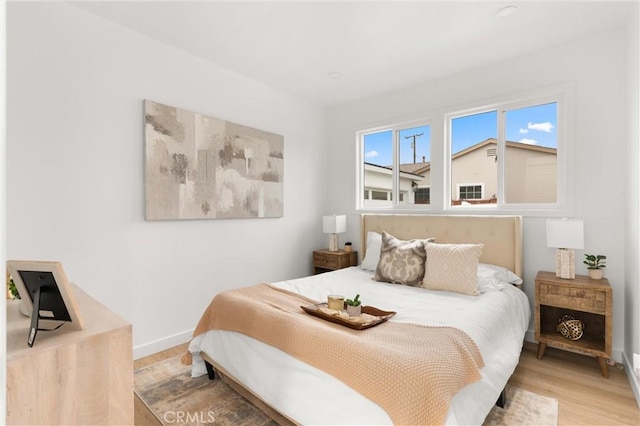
{"x": 43, "y": 287}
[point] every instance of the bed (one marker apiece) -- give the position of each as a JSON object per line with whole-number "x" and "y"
{"x": 304, "y": 389}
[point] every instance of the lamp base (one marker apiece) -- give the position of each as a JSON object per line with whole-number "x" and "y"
{"x": 565, "y": 264}
{"x": 333, "y": 242}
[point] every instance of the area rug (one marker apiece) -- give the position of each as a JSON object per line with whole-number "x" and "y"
{"x": 175, "y": 398}
{"x": 524, "y": 408}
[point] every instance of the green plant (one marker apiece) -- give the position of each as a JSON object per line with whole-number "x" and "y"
{"x": 12, "y": 288}
{"x": 594, "y": 261}
{"x": 353, "y": 302}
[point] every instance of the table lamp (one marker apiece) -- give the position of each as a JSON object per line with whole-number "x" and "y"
{"x": 334, "y": 225}
{"x": 565, "y": 235}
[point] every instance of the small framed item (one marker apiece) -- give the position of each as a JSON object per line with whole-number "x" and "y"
{"x": 44, "y": 288}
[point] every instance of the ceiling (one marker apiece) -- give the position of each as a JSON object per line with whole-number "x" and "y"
{"x": 376, "y": 47}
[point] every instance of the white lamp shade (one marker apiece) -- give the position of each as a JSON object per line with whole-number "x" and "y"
{"x": 335, "y": 224}
{"x": 565, "y": 233}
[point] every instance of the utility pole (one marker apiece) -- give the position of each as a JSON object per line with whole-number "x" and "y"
{"x": 413, "y": 144}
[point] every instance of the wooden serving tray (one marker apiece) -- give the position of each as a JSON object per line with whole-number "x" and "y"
{"x": 382, "y": 316}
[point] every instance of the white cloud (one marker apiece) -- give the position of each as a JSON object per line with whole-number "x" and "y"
{"x": 524, "y": 131}
{"x": 529, "y": 141}
{"x": 542, "y": 127}
{"x": 371, "y": 154}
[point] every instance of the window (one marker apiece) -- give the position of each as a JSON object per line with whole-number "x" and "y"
{"x": 422, "y": 195}
{"x": 473, "y": 157}
{"x": 470, "y": 192}
{"x": 512, "y": 150}
{"x": 380, "y": 195}
{"x": 395, "y": 161}
{"x": 509, "y": 156}
{"x": 531, "y": 154}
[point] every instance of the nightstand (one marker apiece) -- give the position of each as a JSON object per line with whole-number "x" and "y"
{"x": 325, "y": 260}
{"x": 583, "y": 298}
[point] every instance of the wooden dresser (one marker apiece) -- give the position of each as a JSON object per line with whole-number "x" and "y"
{"x": 585, "y": 299}
{"x": 70, "y": 376}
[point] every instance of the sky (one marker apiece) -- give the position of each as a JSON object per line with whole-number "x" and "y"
{"x": 535, "y": 125}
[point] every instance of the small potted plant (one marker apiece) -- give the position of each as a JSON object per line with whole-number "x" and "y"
{"x": 347, "y": 247}
{"x": 354, "y": 306}
{"x": 11, "y": 287}
{"x": 595, "y": 265}
{"x": 12, "y": 293}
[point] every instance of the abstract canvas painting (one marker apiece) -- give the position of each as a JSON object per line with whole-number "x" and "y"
{"x": 200, "y": 167}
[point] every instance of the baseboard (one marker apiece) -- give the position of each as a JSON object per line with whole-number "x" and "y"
{"x": 530, "y": 336}
{"x": 161, "y": 344}
{"x": 634, "y": 380}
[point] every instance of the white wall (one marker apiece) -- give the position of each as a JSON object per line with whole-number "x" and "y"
{"x": 3, "y": 210}
{"x": 632, "y": 273}
{"x": 600, "y": 144}
{"x": 75, "y": 170}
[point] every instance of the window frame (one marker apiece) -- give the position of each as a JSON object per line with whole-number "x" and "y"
{"x": 440, "y": 175}
{"x": 396, "y": 204}
{"x": 561, "y": 206}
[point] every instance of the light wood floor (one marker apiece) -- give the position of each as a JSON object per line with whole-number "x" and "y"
{"x": 584, "y": 396}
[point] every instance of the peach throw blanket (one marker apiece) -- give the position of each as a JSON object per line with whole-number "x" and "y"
{"x": 411, "y": 371}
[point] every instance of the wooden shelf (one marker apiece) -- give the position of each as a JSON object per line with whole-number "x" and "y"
{"x": 587, "y": 345}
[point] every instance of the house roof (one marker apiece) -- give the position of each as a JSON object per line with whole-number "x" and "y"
{"x": 415, "y": 168}
{"x": 424, "y": 166}
{"x": 511, "y": 144}
{"x": 402, "y": 170}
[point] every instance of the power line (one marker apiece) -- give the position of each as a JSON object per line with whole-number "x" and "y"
{"x": 413, "y": 144}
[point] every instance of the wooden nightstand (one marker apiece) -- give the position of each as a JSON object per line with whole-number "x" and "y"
{"x": 583, "y": 298}
{"x": 325, "y": 260}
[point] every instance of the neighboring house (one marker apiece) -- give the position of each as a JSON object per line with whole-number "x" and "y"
{"x": 377, "y": 184}
{"x": 531, "y": 176}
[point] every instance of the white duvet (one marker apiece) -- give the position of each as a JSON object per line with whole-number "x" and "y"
{"x": 496, "y": 320}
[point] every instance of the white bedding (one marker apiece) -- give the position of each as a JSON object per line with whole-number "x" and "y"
{"x": 495, "y": 320}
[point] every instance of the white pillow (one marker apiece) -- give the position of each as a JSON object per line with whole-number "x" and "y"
{"x": 494, "y": 278}
{"x": 372, "y": 256}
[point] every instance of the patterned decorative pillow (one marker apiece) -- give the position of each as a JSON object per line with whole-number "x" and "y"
{"x": 452, "y": 267}
{"x": 401, "y": 262}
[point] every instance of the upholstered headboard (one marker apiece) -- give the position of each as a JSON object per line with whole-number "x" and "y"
{"x": 501, "y": 235}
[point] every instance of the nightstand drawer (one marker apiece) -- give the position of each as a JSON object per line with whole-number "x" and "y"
{"x": 325, "y": 260}
{"x": 573, "y": 298}
{"x": 321, "y": 260}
